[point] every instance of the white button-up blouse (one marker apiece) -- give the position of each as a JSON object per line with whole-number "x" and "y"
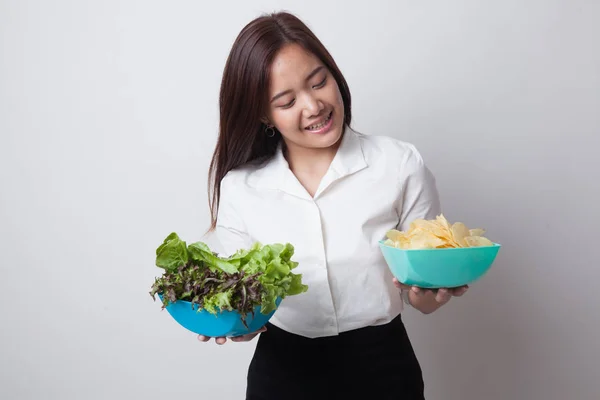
{"x": 374, "y": 183}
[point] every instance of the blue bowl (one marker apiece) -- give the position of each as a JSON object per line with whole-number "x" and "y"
{"x": 438, "y": 268}
{"x": 224, "y": 323}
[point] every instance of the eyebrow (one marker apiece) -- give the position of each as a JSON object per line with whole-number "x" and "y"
{"x": 315, "y": 71}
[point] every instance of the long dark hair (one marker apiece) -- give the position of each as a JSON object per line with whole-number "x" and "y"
{"x": 243, "y": 99}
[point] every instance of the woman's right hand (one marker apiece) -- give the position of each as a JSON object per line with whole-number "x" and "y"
{"x": 243, "y": 338}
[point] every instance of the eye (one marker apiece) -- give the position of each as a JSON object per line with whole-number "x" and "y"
{"x": 290, "y": 104}
{"x": 321, "y": 84}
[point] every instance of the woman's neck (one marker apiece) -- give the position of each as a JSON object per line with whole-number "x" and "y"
{"x": 309, "y": 160}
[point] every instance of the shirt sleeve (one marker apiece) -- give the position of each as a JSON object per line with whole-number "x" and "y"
{"x": 420, "y": 197}
{"x": 230, "y": 229}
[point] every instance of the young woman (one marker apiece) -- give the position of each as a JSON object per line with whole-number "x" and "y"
{"x": 288, "y": 167}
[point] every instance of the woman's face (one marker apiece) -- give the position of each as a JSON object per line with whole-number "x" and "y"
{"x": 305, "y": 103}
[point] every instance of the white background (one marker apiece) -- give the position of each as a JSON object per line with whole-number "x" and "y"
{"x": 108, "y": 117}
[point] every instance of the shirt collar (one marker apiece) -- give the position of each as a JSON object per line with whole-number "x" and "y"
{"x": 348, "y": 159}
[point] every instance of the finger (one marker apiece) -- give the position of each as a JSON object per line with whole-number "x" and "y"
{"x": 460, "y": 291}
{"x": 221, "y": 340}
{"x": 400, "y": 285}
{"x": 203, "y": 338}
{"x": 443, "y": 295}
{"x": 417, "y": 290}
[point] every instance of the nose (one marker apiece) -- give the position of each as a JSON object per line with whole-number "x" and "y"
{"x": 312, "y": 106}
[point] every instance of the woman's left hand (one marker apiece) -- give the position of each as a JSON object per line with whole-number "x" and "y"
{"x": 442, "y": 295}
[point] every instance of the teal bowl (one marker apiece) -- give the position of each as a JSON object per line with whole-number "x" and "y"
{"x": 224, "y": 323}
{"x": 439, "y": 268}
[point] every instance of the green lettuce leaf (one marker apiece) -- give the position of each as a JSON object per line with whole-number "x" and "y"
{"x": 242, "y": 256}
{"x": 218, "y": 301}
{"x": 277, "y": 277}
{"x": 172, "y": 253}
{"x": 296, "y": 286}
{"x": 201, "y": 252}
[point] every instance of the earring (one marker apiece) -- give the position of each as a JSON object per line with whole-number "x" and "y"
{"x": 270, "y": 131}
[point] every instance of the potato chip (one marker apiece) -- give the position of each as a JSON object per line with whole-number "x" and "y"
{"x": 476, "y": 232}
{"x": 443, "y": 222}
{"x": 459, "y": 232}
{"x": 477, "y": 241}
{"x": 429, "y": 226}
{"x": 436, "y": 234}
{"x": 401, "y": 244}
{"x": 425, "y": 240}
{"x": 396, "y": 235}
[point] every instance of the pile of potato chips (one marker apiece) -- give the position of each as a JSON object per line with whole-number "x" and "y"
{"x": 436, "y": 234}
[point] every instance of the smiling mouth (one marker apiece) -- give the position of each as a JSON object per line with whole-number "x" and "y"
{"x": 316, "y": 127}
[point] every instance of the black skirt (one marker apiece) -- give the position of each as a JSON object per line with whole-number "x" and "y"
{"x": 376, "y": 362}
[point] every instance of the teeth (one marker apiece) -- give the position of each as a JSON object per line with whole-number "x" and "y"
{"x": 319, "y": 126}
